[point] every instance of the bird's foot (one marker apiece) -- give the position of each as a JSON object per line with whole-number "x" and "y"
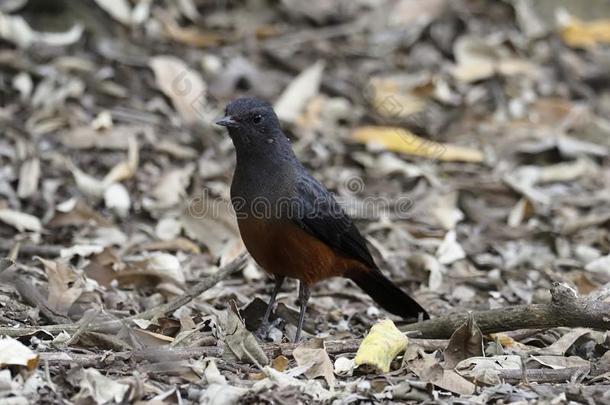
{"x": 262, "y": 333}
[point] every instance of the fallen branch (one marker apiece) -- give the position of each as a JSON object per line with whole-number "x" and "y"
{"x": 113, "y": 325}
{"x": 565, "y": 309}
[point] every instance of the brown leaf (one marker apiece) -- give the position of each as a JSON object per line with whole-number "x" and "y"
{"x": 65, "y": 285}
{"x": 466, "y": 341}
{"x": 312, "y": 354}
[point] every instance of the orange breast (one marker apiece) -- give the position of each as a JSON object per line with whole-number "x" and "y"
{"x": 282, "y": 248}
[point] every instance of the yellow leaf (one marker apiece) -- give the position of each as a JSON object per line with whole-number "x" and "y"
{"x": 381, "y": 346}
{"x": 403, "y": 141}
{"x": 586, "y": 34}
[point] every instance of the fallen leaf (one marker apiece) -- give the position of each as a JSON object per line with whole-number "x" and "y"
{"x": 191, "y": 36}
{"x": 241, "y": 342}
{"x": 465, "y": 342}
{"x": 428, "y": 369}
{"x": 15, "y": 353}
{"x": 312, "y": 355}
{"x": 444, "y": 209}
{"x": 487, "y": 369}
{"x": 170, "y": 189}
{"x": 65, "y": 285}
{"x": 403, "y": 141}
{"x": 97, "y": 387}
{"x": 116, "y": 199}
{"x": 477, "y": 59}
{"x": 280, "y": 363}
{"x": 212, "y": 375}
{"x": 29, "y": 174}
{"x": 120, "y": 10}
{"x": 563, "y": 344}
{"x": 294, "y": 98}
{"x": 585, "y": 34}
{"x": 156, "y": 265}
{"x": 561, "y": 362}
{"x": 15, "y": 29}
{"x": 21, "y": 221}
{"x": 344, "y": 366}
{"x": 450, "y": 250}
{"x": 182, "y": 85}
{"x": 282, "y": 380}
{"x": 222, "y": 394}
{"x": 383, "y": 343}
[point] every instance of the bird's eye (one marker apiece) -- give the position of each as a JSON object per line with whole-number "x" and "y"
{"x": 257, "y": 119}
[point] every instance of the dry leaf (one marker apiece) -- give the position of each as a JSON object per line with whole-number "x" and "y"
{"x": 182, "y": 85}
{"x": 120, "y": 10}
{"x": 29, "y": 173}
{"x": 170, "y": 189}
{"x": 465, "y": 342}
{"x": 487, "y": 369}
{"x": 450, "y": 250}
{"x": 585, "y": 34}
{"x": 428, "y": 369}
{"x": 97, "y": 387}
{"x": 479, "y": 59}
{"x": 293, "y": 100}
{"x": 404, "y": 141}
{"x": 65, "y": 285}
{"x": 116, "y": 199}
{"x": 15, "y": 29}
{"x": 561, "y": 362}
{"x": 15, "y": 353}
{"x": 241, "y": 342}
{"x": 383, "y": 343}
{"x": 156, "y": 265}
{"x": 312, "y": 355}
{"x": 21, "y": 221}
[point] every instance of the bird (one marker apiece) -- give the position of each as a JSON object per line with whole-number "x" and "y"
{"x": 290, "y": 223}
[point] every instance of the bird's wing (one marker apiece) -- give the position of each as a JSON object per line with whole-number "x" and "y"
{"x": 322, "y": 216}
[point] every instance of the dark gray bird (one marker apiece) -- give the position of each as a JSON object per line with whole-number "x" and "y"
{"x": 290, "y": 223}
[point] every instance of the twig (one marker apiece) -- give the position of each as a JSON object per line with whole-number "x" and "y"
{"x": 566, "y": 309}
{"x": 542, "y": 375}
{"x": 113, "y": 325}
{"x": 29, "y": 250}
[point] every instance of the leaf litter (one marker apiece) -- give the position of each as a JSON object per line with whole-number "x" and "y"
{"x": 478, "y": 129}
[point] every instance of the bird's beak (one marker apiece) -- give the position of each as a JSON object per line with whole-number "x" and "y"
{"x": 227, "y": 121}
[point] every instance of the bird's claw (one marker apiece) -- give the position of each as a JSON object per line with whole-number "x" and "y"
{"x": 263, "y": 330}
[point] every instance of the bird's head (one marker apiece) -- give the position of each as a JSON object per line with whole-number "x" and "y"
{"x": 252, "y": 124}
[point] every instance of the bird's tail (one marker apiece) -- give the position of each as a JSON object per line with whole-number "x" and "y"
{"x": 387, "y": 294}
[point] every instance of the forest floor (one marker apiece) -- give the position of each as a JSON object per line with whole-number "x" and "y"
{"x": 468, "y": 139}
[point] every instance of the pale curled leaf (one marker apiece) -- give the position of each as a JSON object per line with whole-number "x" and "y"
{"x": 404, "y": 141}
{"x": 586, "y": 34}
{"x": 182, "y": 85}
{"x": 65, "y": 285}
{"x": 21, "y": 221}
{"x": 487, "y": 369}
{"x": 428, "y": 369}
{"x": 241, "y": 342}
{"x": 15, "y": 353}
{"x": 98, "y": 387}
{"x": 312, "y": 354}
{"x": 383, "y": 343}
{"x": 15, "y": 29}
{"x": 295, "y": 97}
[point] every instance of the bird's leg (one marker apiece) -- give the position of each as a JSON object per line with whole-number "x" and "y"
{"x": 264, "y": 326}
{"x": 304, "y": 294}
